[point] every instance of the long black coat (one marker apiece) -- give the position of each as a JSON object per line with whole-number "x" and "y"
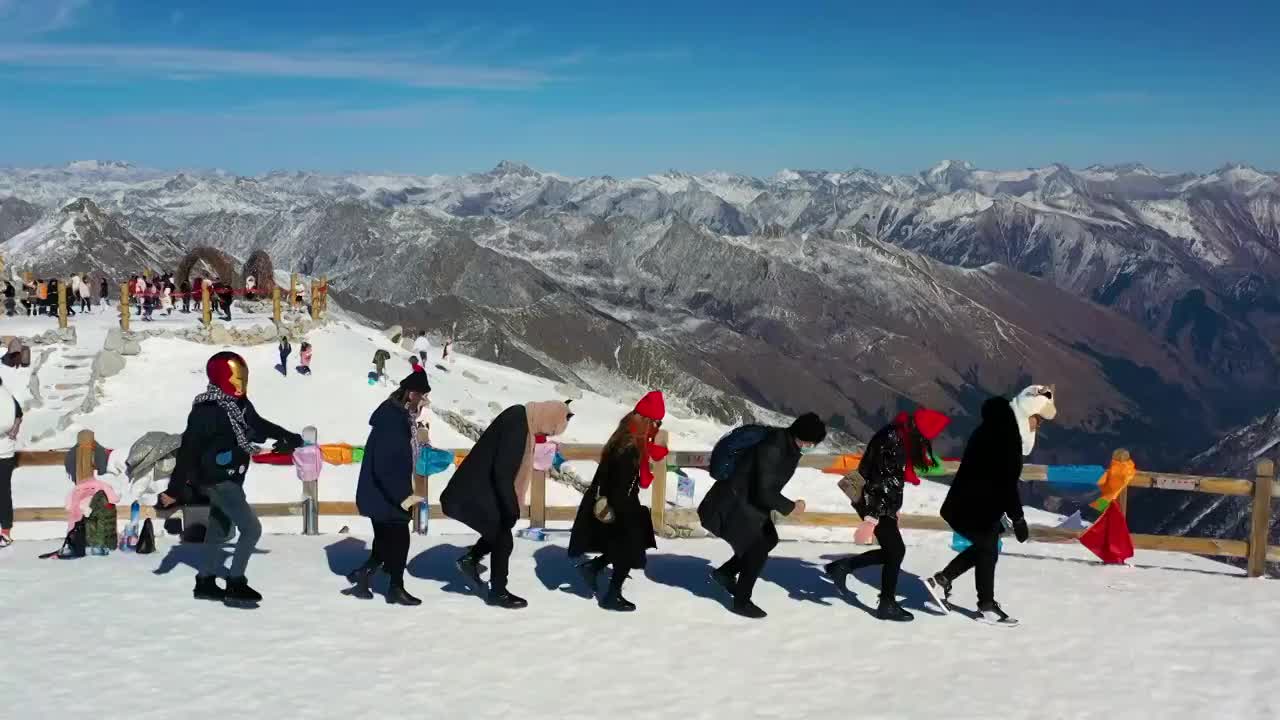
{"x": 386, "y": 473}
{"x": 986, "y": 485}
{"x": 737, "y": 510}
{"x": 883, "y": 466}
{"x": 482, "y": 492}
{"x": 625, "y": 540}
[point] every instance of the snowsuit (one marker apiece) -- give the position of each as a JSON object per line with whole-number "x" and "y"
{"x": 737, "y": 510}
{"x": 386, "y": 481}
{"x": 985, "y": 488}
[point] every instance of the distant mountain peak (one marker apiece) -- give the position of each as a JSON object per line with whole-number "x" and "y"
{"x": 512, "y": 167}
{"x": 97, "y": 165}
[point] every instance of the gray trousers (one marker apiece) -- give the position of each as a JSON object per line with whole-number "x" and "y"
{"x": 228, "y": 507}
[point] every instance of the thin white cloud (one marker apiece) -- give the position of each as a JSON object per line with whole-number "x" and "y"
{"x": 208, "y": 61}
{"x": 22, "y": 18}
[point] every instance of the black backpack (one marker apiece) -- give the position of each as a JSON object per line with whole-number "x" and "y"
{"x": 74, "y": 544}
{"x": 725, "y": 454}
{"x": 146, "y": 539}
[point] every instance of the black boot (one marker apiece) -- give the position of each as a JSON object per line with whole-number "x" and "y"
{"x": 748, "y": 609}
{"x": 504, "y": 599}
{"x": 207, "y": 589}
{"x": 239, "y": 593}
{"x": 361, "y": 578}
{"x": 396, "y": 595}
{"x": 890, "y": 610}
{"x": 613, "y": 599}
{"x": 469, "y": 566}
{"x": 723, "y": 579}
{"x": 590, "y": 572}
{"x": 839, "y": 571}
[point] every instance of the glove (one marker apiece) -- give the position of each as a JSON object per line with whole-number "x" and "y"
{"x": 1020, "y": 530}
{"x": 410, "y": 501}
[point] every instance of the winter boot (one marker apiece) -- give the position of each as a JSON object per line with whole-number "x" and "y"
{"x": 469, "y": 566}
{"x": 723, "y": 579}
{"x": 207, "y": 589}
{"x": 890, "y": 610}
{"x": 504, "y": 599}
{"x": 748, "y": 609}
{"x": 838, "y": 571}
{"x": 361, "y": 578}
{"x": 991, "y": 614}
{"x": 939, "y": 587}
{"x": 590, "y": 572}
{"x": 239, "y": 594}
{"x": 613, "y": 599}
{"x": 396, "y": 595}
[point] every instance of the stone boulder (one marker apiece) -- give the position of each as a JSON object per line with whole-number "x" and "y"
{"x": 131, "y": 347}
{"x": 393, "y": 333}
{"x": 108, "y": 363}
{"x": 114, "y": 341}
{"x": 219, "y": 335}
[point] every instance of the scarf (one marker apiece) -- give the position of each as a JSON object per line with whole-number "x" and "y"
{"x": 901, "y": 426}
{"x": 236, "y": 415}
{"x": 930, "y": 423}
{"x": 650, "y": 453}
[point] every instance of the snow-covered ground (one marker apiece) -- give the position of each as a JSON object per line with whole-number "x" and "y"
{"x": 1174, "y": 637}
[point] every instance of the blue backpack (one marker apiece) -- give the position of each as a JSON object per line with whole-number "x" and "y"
{"x": 725, "y": 454}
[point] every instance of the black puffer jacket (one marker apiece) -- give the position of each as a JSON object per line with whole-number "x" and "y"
{"x": 737, "y": 510}
{"x": 986, "y": 485}
{"x": 883, "y": 467}
{"x": 209, "y": 453}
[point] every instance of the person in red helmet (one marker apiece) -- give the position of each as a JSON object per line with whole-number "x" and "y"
{"x": 216, "y": 447}
{"x": 887, "y": 465}
{"x": 611, "y": 521}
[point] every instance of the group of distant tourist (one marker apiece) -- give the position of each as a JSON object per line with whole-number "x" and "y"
{"x": 38, "y": 296}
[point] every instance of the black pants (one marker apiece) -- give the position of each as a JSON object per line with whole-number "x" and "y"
{"x": 186, "y": 303}
{"x": 748, "y": 565}
{"x": 391, "y": 549}
{"x": 6, "y": 492}
{"x": 620, "y": 570}
{"x": 889, "y": 555}
{"x": 84, "y": 304}
{"x": 500, "y": 566}
{"x": 981, "y": 557}
{"x": 284, "y": 362}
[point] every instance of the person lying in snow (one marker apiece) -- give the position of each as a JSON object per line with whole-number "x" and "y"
{"x": 985, "y": 489}
{"x": 889, "y": 462}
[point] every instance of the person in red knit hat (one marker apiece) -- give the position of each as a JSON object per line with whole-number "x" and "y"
{"x": 611, "y": 520}
{"x": 889, "y": 463}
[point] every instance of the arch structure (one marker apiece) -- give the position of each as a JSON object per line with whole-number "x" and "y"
{"x": 209, "y": 262}
{"x": 259, "y": 266}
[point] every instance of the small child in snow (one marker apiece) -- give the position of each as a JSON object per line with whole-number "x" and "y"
{"x": 308, "y": 459}
{"x": 305, "y": 355}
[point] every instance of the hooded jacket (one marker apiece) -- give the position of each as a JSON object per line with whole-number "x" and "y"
{"x": 737, "y": 510}
{"x": 986, "y": 485}
{"x": 386, "y": 473}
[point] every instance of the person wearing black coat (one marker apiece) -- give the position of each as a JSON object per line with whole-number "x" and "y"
{"x": 985, "y": 488}
{"x": 482, "y": 492}
{"x": 738, "y": 510}
{"x": 384, "y": 493}
{"x": 216, "y": 449}
{"x": 621, "y": 529}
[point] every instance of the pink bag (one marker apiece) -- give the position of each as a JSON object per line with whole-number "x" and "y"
{"x": 866, "y": 532}
{"x": 544, "y": 454}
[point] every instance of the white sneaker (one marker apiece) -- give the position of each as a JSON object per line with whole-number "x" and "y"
{"x": 939, "y": 589}
{"x": 5, "y": 541}
{"x": 993, "y": 615}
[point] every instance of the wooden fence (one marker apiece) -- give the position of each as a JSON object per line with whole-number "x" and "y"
{"x": 1261, "y": 489}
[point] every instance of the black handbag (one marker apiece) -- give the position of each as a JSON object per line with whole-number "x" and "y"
{"x": 146, "y": 539}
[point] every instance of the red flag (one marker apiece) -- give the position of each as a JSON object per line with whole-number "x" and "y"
{"x": 1108, "y": 538}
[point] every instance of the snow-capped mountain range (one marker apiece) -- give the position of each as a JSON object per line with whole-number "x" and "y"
{"x": 1150, "y": 297}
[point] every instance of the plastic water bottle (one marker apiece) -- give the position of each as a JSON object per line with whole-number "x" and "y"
{"x": 424, "y": 515}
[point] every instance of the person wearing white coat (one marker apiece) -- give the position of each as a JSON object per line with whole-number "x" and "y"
{"x": 421, "y": 346}
{"x": 10, "y": 424}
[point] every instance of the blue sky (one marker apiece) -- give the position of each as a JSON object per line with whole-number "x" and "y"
{"x": 583, "y": 88}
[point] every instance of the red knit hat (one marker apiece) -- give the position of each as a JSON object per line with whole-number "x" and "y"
{"x": 652, "y": 406}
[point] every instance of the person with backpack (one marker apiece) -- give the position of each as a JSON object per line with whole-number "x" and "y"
{"x": 10, "y": 426}
{"x": 384, "y": 492}
{"x": 751, "y": 466}
{"x": 482, "y": 492}
{"x": 985, "y": 490}
{"x": 216, "y": 449}
{"x": 888, "y": 463}
{"x": 611, "y": 520}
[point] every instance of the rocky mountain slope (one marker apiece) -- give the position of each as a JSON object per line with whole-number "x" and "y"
{"x": 1149, "y": 297}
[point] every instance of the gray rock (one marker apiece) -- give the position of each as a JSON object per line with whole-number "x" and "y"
{"x": 393, "y": 333}
{"x": 115, "y": 340}
{"x": 471, "y": 376}
{"x": 219, "y": 335}
{"x": 131, "y": 347}
{"x": 572, "y": 392}
{"x": 108, "y": 363}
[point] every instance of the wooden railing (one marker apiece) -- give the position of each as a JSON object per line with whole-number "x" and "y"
{"x": 1261, "y": 489}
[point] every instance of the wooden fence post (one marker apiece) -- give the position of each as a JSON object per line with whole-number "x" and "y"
{"x": 538, "y": 500}
{"x": 62, "y": 305}
{"x": 293, "y": 291}
{"x": 658, "y": 490}
{"x": 84, "y": 456}
{"x": 205, "y": 305}
{"x": 1260, "y": 522}
{"x": 315, "y": 301}
{"x": 275, "y": 304}
{"x": 324, "y": 295}
{"x": 124, "y": 307}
